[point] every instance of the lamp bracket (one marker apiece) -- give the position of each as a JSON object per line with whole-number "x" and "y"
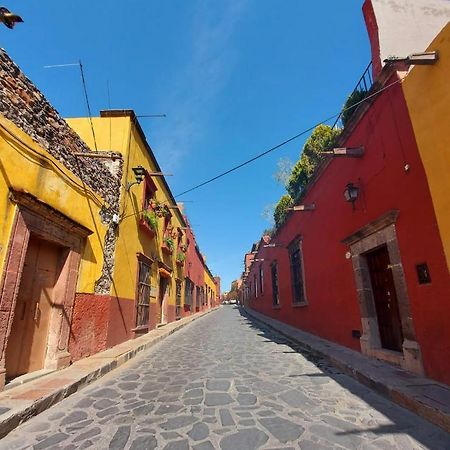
{"x": 350, "y": 152}
{"x": 310, "y": 207}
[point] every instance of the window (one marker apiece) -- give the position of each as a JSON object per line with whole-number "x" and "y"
{"x": 275, "y": 293}
{"x": 149, "y": 192}
{"x": 188, "y": 292}
{"x": 143, "y": 295}
{"x": 296, "y": 262}
{"x": 256, "y": 285}
{"x": 178, "y": 299}
{"x": 261, "y": 279}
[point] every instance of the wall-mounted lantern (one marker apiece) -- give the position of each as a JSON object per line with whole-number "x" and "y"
{"x": 139, "y": 174}
{"x": 351, "y": 193}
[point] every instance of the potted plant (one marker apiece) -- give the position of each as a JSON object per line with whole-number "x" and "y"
{"x": 168, "y": 242}
{"x": 181, "y": 257}
{"x": 150, "y": 219}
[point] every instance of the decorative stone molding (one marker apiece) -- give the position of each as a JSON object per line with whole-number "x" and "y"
{"x": 380, "y": 232}
{"x": 33, "y": 216}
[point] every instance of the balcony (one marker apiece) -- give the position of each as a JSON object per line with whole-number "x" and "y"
{"x": 358, "y": 94}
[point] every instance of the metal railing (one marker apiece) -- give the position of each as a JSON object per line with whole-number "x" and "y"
{"x": 363, "y": 86}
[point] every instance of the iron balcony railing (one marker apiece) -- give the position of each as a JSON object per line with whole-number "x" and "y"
{"x": 361, "y": 89}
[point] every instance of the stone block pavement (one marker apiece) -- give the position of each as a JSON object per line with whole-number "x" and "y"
{"x": 423, "y": 396}
{"x": 226, "y": 382}
{"x": 19, "y": 404}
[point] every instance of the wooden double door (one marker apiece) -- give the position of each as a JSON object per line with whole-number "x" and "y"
{"x": 385, "y": 297}
{"x": 27, "y": 342}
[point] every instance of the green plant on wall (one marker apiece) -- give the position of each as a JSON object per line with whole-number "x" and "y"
{"x": 181, "y": 257}
{"x": 169, "y": 243}
{"x": 150, "y": 219}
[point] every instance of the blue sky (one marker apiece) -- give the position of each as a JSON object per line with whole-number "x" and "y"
{"x": 234, "y": 77}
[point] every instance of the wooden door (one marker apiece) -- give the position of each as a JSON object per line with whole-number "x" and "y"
{"x": 385, "y": 297}
{"x": 27, "y": 342}
{"x": 161, "y": 296}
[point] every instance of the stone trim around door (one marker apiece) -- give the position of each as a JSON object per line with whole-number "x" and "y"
{"x": 41, "y": 220}
{"x": 380, "y": 232}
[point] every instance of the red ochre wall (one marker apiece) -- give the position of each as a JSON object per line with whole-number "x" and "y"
{"x": 193, "y": 267}
{"x": 333, "y": 312}
{"x": 99, "y": 322}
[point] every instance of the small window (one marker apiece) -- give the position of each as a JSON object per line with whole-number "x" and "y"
{"x": 261, "y": 279}
{"x": 143, "y": 295}
{"x": 275, "y": 293}
{"x": 423, "y": 274}
{"x": 149, "y": 192}
{"x": 255, "y": 283}
{"x": 178, "y": 299}
{"x": 296, "y": 263}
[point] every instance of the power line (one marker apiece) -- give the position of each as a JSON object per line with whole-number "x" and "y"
{"x": 87, "y": 104}
{"x": 53, "y": 66}
{"x": 287, "y": 140}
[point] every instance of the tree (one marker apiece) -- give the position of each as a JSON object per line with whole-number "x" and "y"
{"x": 233, "y": 292}
{"x": 354, "y": 98}
{"x": 284, "y": 169}
{"x": 322, "y": 138}
{"x": 281, "y": 210}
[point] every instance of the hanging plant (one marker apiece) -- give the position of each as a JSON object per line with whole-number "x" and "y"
{"x": 181, "y": 257}
{"x": 150, "y": 219}
{"x": 168, "y": 241}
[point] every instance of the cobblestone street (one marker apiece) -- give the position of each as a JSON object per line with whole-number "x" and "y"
{"x": 226, "y": 383}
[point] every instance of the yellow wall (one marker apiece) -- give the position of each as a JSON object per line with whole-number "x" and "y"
{"x": 209, "y": 282}
{"x": 24, "y": 166}
{"x": 120, "y": 135}
{"x": 427, "y": 93}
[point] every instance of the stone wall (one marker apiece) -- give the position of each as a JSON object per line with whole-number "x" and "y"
{"x": 24, "y": 105}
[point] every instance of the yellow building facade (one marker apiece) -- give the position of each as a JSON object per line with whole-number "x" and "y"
{"x": 52, "y": 234}
{"x": 427, "y": 94}
{"x": 147, "y": 282}
{"x": 210, "y": 288}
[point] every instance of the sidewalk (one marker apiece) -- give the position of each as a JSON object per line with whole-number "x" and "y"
{"x": 423, "y": 396}
{"x": 18, "y": 404}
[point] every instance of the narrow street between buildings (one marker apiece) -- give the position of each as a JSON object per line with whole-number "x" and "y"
{"x": 225, "y": 382}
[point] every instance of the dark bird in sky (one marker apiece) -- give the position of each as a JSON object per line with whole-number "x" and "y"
{"x": 8, "y": 18}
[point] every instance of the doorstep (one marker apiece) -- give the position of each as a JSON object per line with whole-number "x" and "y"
{"x": 423, "y": 396}
{"x": 35, "y": 394}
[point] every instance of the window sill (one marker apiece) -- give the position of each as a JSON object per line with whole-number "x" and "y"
{"x": 166, "y": 250}
{"x": 146, "y": 228}
{"x": 299, "y": 305}
{"x": 141, "y": 329}
{"x": 276, "y": 306}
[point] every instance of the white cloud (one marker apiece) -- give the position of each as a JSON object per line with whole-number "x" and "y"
{"x": 198, "y": 84}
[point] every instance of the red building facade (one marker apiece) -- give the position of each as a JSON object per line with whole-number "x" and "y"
{"x": 370, "y": 274}
{"x": 194, "y": 294}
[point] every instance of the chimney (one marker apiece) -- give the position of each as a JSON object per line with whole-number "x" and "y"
{"x": 401, "y": 27}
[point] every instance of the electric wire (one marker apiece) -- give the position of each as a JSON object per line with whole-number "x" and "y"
{"x": 87, "y": 104}
{"x": 302, "y": 133}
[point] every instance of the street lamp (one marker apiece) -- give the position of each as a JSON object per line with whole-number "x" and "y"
{"x": 351, "y": 193}
{"x": 139, "y": 174}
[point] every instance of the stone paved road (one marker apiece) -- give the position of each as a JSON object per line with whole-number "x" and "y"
{"x": 226, "y": 383}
